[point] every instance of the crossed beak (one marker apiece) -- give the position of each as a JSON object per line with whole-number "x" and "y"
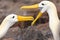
{"x": 33, "y": 7}
{"x": 25, "y": 18}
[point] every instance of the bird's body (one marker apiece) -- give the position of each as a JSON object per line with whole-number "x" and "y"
{"x": 50, "y": 8}
{"x": 54, "y": 22}
{"x": 10, "y": 20}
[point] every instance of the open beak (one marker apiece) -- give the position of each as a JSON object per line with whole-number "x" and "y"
{"x": 33, "y": 7}
{"x": 39, "y": 15}
{"x": 30, "y": 7}
{"x": 25, "y": 18}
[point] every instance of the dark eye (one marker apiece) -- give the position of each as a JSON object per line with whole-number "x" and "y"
{"x": 42, "y": 3}
{"x": 13, "y": 17}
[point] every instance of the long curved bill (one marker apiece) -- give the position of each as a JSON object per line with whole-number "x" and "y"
{"x": 25, "y": 18}
{"x": 39, "y": 15}
{"x": 30, "y": 7}
{"x": 33, "y": 7}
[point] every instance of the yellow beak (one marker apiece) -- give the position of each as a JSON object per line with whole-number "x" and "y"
{"x": 30, "y": 7}
{"x": 25, "y": 18}
{"x": 33, "y": 7}
{"x": 39, "y": 15}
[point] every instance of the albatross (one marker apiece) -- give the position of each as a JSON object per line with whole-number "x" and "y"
{"x": 50, "y": 8}
{"x": 10, "y": 20}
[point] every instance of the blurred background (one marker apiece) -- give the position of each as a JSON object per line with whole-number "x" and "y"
{"x": 23, "y": 30}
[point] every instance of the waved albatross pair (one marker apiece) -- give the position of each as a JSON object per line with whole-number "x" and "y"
{"x": 54, "y": 21}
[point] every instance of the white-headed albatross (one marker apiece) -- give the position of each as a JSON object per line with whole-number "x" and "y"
{"x": 10, "y": 20}
{"x": 50, "y": 8}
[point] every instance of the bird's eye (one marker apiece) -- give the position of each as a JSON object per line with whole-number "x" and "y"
{"x": 42, "y": 3}
{"x": 13, "y": 17}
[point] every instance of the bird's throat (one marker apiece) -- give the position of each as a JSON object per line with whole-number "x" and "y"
{"x": 5, "y": 25}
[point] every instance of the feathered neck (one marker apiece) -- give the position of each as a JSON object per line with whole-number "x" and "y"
{"x": 5, "y": 25}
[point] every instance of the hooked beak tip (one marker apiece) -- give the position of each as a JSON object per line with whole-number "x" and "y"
{"x": 25, "y": 18}
{"x": 30, "y": 7}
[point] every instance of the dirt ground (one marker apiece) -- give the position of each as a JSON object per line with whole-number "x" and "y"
{"x": 40, "y": 31}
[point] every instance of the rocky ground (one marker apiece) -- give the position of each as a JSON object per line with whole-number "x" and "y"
{"x": 40, "y": 31}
